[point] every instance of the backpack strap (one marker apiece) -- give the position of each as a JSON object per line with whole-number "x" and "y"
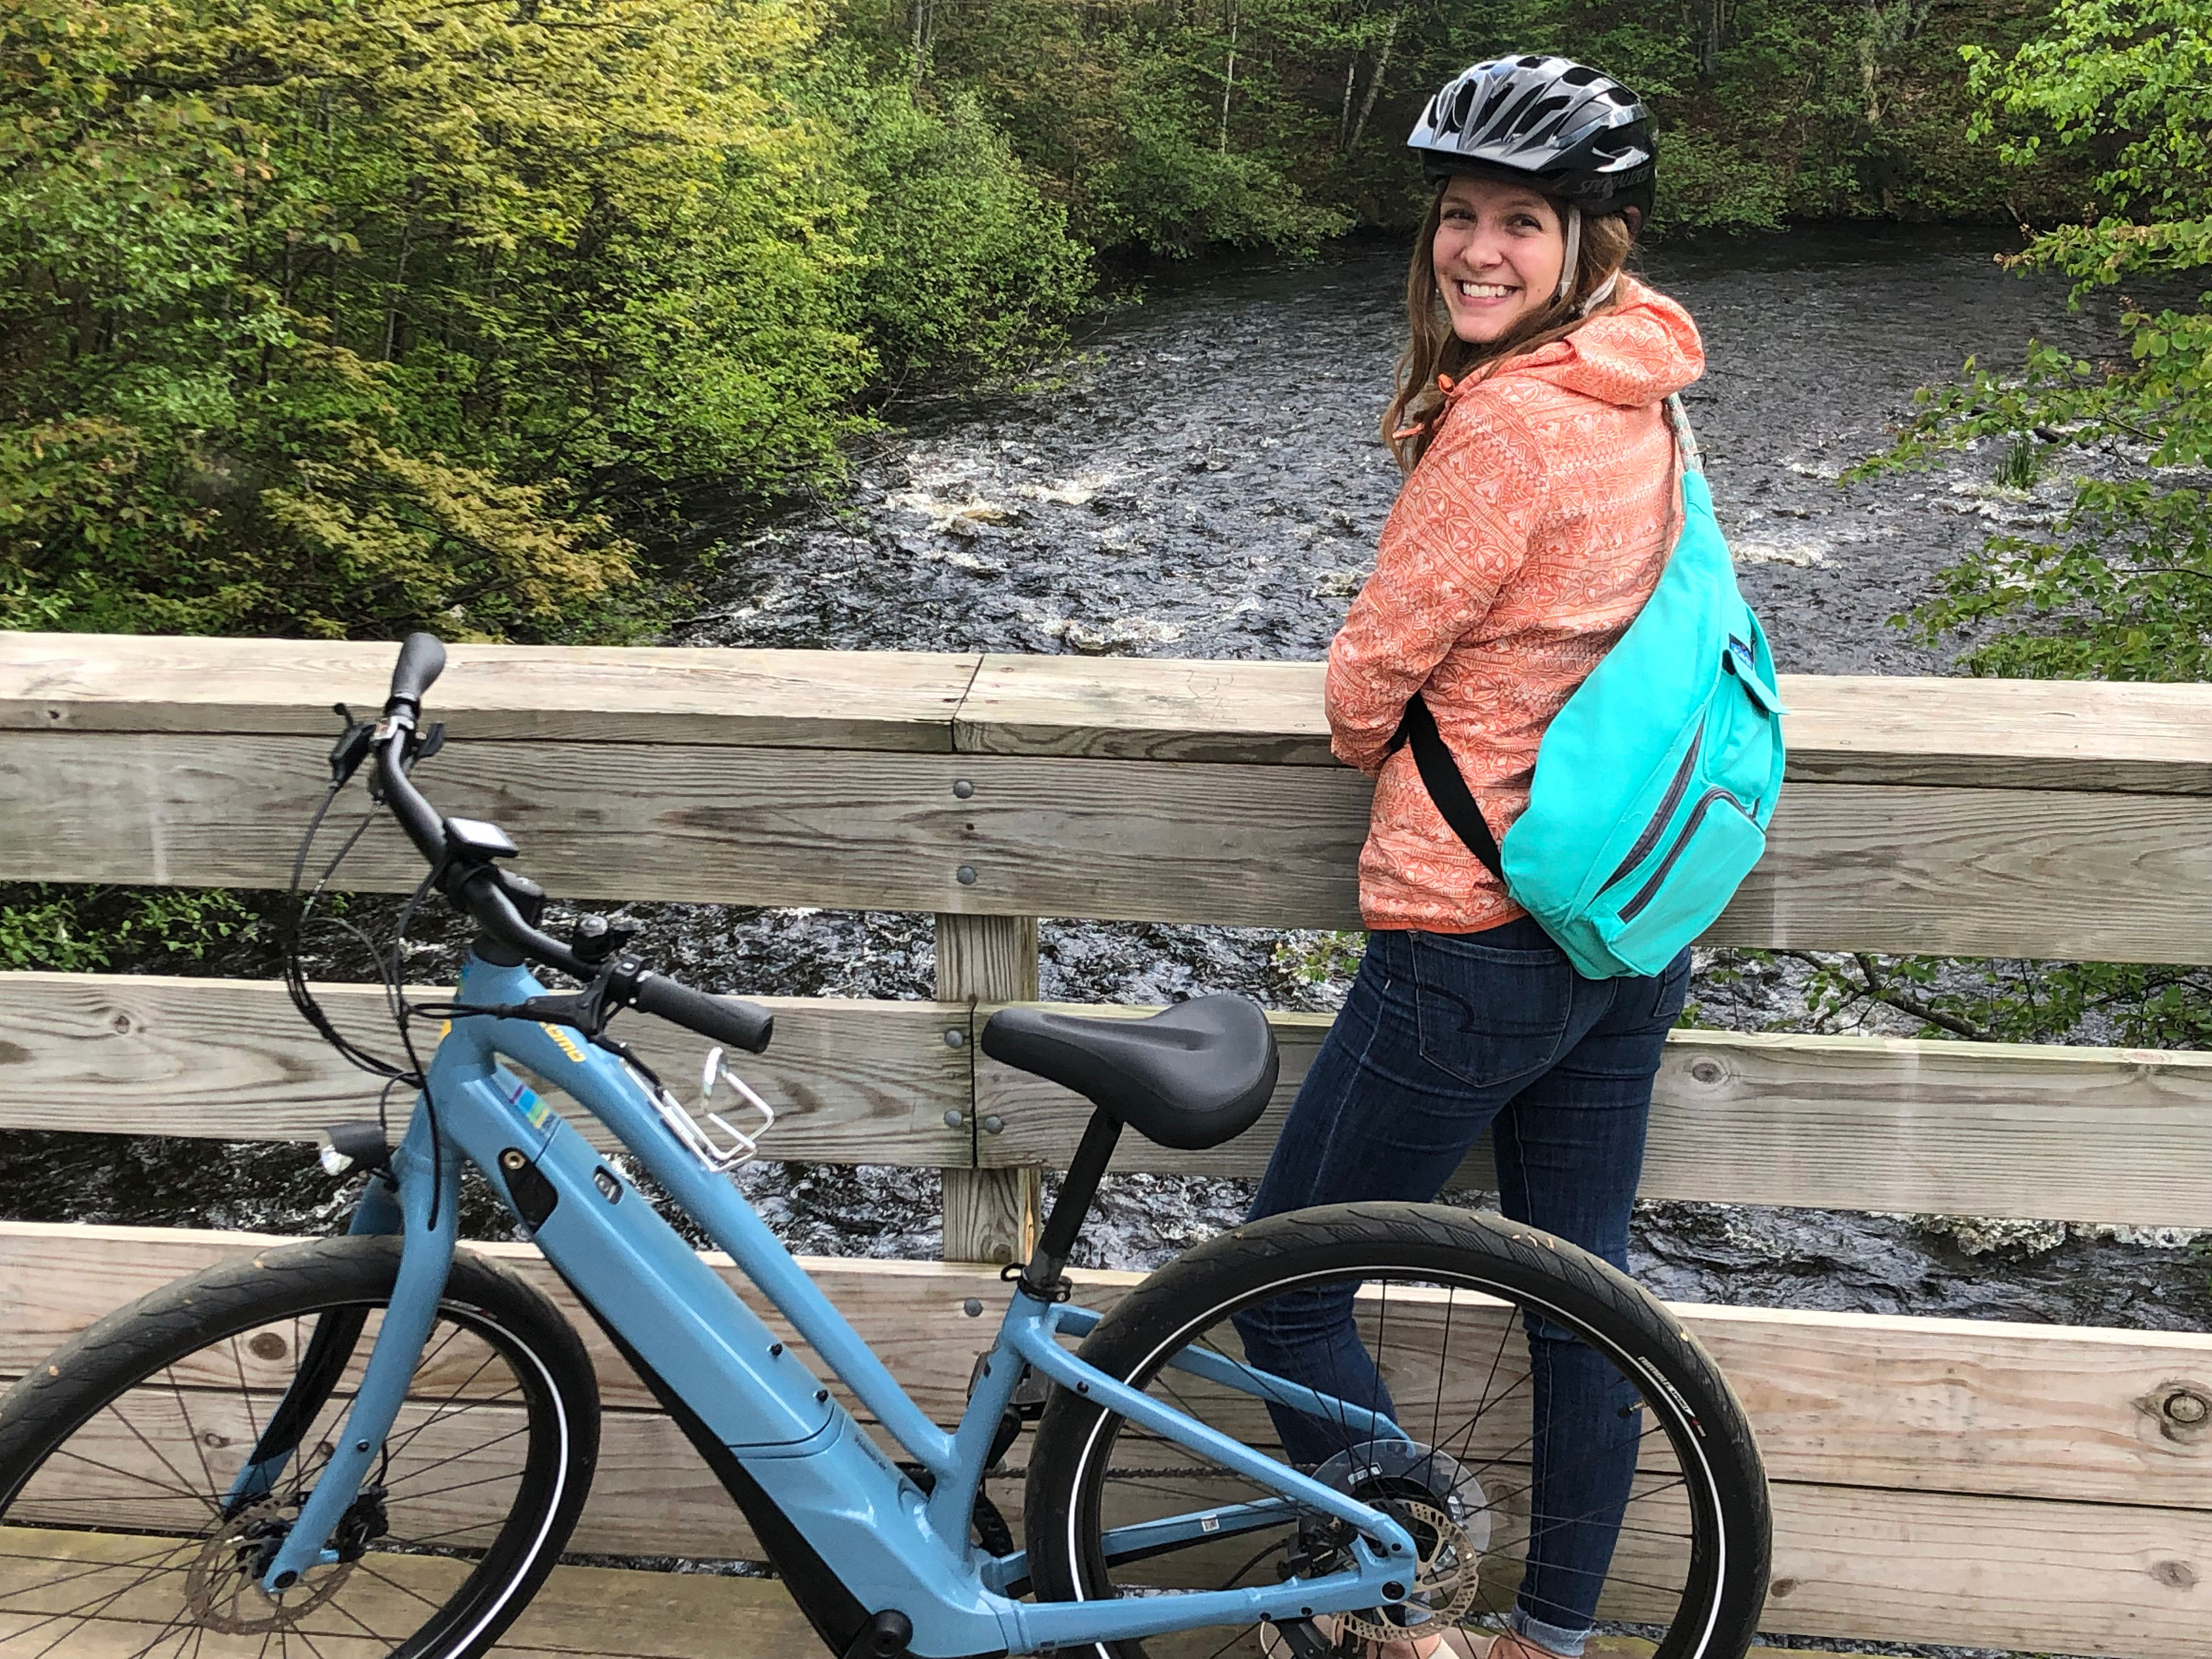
{"x": 1440, "y": 775}
{"x": 1440, "y": 772}
{"x": 1679, "y": 418}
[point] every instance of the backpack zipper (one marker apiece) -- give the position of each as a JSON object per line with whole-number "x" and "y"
{"x": 1649, "y": 890}
{"x": 1657, "y": 826}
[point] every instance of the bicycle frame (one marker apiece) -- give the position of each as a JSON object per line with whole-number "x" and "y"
{"x": 868, "y": 1538}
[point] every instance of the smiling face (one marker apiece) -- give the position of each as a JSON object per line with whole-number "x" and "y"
{"x": 1497, "y": 254}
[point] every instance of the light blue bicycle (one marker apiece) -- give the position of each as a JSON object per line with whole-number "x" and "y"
{"x": 379, "y": 1444}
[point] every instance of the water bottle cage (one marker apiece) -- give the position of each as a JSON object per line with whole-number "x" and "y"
{"x": 714, "y": 1157}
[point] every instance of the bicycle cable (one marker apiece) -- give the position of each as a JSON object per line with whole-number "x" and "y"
{"x": 391, "y": 974}
{"x": 296, "y": 983}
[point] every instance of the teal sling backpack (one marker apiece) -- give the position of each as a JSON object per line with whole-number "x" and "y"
{"x": 1655, "y": 784}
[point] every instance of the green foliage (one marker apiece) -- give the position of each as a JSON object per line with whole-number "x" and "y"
{"x": 1707, "y": 183}
{"x": 343, "y": 318}
{"x": 76, "y": 930}
{"x": 1169, "y": 126}
{"x": 2133, "y": 1004}
{"x": 969, "y": 268}
{"x": 1320, "y": 958}
{"x": 1174, "y": 193}
{"x": 2021, "y": 465}
{"x": 2124, "y": 591}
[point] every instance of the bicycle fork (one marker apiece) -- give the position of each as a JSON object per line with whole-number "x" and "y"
{"x": 425, "y": 1261}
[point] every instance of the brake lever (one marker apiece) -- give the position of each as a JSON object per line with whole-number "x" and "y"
{"x": 588, "y": 1009}
{"x": 352, "y": 747}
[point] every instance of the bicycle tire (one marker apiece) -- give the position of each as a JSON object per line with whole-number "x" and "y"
{"x": 119, "y": 1453}
{"x": 1074, "y": 1487}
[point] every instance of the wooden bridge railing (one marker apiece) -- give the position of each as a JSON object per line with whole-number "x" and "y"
{"x": 1936, "y": 1481}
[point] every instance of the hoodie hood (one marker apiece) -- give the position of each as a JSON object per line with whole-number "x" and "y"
{"x": 1646, "y": 348}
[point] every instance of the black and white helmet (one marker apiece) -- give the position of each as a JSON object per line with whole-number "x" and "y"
{"x": 1548, "y": 122}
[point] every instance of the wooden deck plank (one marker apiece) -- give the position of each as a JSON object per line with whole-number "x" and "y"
{"x": 1977, "y": 733}
{"x": 1859, "y": 1564}
{"x": 1848, "y": 1564}
{"x": 1971, "y": 1407}
{"x": 1974, "y": 734}
{"x": 852, "y": 1081}
{"x": 1889, "y": 1124}
{"x": 580, "y": 1612}
{"x": 757, "y": 826}
{"x": 898, "y": 700}
{"x": 611, "y": 1612}
{"x": 1146, "y": 709}
{"x": 2008, "y": 873}
{"x": 2026, "y": 1130}
{"x": 1945, "y": 870}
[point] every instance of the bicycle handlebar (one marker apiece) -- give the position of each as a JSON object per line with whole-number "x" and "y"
{"x": 421, "y": 660}
{"x": 741, "y": 1025}
{"x": 481, "y": 891}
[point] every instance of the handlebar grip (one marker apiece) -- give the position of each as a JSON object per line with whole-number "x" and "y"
{"x": 745, "y": 1025}
{"x": 421, "y": 660}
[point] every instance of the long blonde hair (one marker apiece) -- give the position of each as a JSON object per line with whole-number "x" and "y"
{"x": 1433, "y": 350}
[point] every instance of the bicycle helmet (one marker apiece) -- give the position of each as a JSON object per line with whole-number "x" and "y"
{"x": 1550, "y": 123}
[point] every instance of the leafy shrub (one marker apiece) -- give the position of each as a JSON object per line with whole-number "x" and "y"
{"x": 1175, "y": 193}
{"x": 77, "y": 930}
{"x": 968, "y": 268}
{"x": 341, "y": 319}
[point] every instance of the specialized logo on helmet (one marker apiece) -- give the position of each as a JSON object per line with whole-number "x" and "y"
{"x": 1577, "y": 132}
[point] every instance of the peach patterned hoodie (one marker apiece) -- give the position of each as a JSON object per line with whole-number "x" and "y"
{"x": 1520, "y": 550}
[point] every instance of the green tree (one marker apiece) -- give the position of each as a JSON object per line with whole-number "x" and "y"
{"x": 2123, "y": 588}
{"x": 970, "y": 268}
{"x": 340, "y": 317}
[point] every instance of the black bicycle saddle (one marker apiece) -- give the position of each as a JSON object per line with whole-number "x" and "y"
{"x": 1189, "y": 1077}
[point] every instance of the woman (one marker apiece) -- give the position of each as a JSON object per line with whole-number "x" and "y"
{"x": 1538, "y": 512}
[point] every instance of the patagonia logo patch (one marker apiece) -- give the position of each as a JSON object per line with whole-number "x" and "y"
{"x": 1744, "y": 655}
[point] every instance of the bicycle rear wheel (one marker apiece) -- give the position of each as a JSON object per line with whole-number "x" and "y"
{"x": 122, "y": 1531}
{"x": 1466, "y": 1318}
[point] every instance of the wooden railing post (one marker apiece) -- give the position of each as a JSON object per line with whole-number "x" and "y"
{"x": 990, "y": 1215}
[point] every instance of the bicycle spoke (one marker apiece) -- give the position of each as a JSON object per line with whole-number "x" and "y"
{"x": 1443, "y": 1349}
{"x": 421, "y": 1470}
{"x": 1477, "y": 1389}
{"x": 46, "y": 1584}
{"x": 199, "y": 1500}
{"x": 193, "y": 1590}
{"x": 184, "y": 1486}
{"x": 362, "y": 1565}
{"x": 245, "y": 1393}
{"x": 459, "y": 1486}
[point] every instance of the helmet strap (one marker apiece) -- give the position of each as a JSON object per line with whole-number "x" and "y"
{"x": 1574, "y": 215}
{"x": 1599, "y": 295}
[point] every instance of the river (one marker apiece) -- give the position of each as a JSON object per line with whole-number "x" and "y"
{"x": 1204, "y": 480}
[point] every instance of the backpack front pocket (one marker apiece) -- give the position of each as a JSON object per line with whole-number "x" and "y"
{"x": 1689, "y": 886}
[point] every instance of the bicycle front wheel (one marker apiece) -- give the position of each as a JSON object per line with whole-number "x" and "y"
{"x": 125, "y": 1527}
{"x": 1566, "y": 1455}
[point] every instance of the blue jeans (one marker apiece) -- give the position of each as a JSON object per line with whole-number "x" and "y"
{"x": 1445, "y": 1035}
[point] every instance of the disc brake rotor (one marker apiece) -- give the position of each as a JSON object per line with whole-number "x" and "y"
{"x": 1441, "y": 1503}
{"x": 1443, "y": 1584}
{"x": 223, "y": 1586}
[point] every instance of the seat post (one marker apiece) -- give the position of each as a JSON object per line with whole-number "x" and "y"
{"x": 1041, "y": 1279}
